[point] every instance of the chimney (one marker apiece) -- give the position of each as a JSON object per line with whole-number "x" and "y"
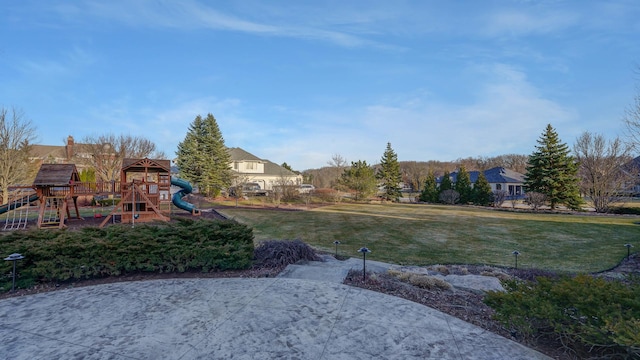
{"x": 69, "y": 148}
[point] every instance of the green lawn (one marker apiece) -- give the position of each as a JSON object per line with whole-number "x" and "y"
{"x": 431, "y": 234}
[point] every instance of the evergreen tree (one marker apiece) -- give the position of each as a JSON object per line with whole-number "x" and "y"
{"x": 88, "y": 175}
{"x": 553, "y": 172}
{"x": 202, "y": 156}
{"x": 445, "y": 184}
{"x": 481, "y": 193}
{"x": 430, "y": 191}
{"x": 389, "y": 174}
{"x": 463, "y": 185}
{"x": 361, "y": 178}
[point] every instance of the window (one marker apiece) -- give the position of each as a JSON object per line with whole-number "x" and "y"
{"x": 249, "y": 166}
{"x": 498, "y": 186}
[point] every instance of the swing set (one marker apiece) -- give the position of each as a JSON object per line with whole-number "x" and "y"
{"x": 144, "y": 189}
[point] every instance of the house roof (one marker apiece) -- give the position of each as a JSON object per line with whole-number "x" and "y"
{"x": 270, "y": 168}
{"x": 46, "y": 151}
{"x": 238, "y": 154}
{"x": 496, "y": 175}
{"x": 56, "y": 152}
{"x": 56, "y": 175}
{"x": 502, "y": 175}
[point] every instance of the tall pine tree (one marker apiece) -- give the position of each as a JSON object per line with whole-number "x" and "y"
{"x": 202, "y": 157}
{"x": 389, "y": 174}
{"x": 430, "y": 191}
{"x": 552, "y": 171}
{"x": 463, "y": 185}
{"x": 360, "y": 177}
{"x": 481, "y": 193}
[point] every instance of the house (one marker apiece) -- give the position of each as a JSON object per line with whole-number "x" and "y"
{"x": 499, "y": 178}
{"x": 248, "y": 168}
{"x": 630, "y": 172}
{"x": 60, "y": 154}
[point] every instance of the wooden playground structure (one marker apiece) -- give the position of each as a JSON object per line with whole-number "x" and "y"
{"x": 144, "y": 189}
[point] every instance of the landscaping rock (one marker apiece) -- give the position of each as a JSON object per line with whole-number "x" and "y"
{"x": 473, "y": 283}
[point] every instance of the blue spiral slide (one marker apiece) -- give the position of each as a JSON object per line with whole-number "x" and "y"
{"x": 185, "y": 189}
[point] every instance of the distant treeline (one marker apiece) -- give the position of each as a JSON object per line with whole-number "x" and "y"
{"x": 414, "y": 172}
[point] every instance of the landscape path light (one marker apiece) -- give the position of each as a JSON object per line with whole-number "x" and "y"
{"x": 516, "y": 253}
{"x": 364, "y": 252}
{"x": 336, "y": 243}
{"x": 14, "y": 257}
{"x": 628, "y": 246}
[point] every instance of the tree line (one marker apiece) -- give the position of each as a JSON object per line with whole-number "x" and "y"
{"x": 596, "y": 168}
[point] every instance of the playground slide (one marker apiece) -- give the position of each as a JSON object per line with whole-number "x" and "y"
{"x": 186, "y": 189}
{"x": 16, "y": 204}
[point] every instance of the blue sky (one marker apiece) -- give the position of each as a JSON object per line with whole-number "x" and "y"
{"x": 299, "y": 81}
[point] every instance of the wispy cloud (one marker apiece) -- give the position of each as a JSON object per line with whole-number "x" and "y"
{"x": 508, "y": 115}
{"x": 190, "y": 14}
{"x": 518, "y": 22}
{"x": 65, "y": 63}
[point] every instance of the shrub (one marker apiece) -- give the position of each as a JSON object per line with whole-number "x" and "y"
{"x": 495, "y": 273}
{"x": 449, "y": 196}
{"x": 279, "y": 253}
{"x": 185, "y": 245}
{"x": 623, "y": 210}
{"x": 420, "y": 280}
{"x": 442, "y": 269}
{"x": 327, "y": 195}
{"x": 592, "y": 316}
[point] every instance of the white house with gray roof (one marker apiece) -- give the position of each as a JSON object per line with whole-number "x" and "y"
{"x": 499, "y": 178}
{"x": 249, "y": 168}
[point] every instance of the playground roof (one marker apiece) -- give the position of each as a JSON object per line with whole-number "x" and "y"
{"x": 146, "y": 163}
{"x": 56, "y": 175}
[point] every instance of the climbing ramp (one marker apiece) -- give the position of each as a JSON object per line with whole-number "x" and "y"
{"x": 17, "y": 210}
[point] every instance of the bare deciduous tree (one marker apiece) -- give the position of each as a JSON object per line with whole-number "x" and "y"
{"x": 284, "y": 189}
{"x": 414, "y": 173}
{"x": 535, "y": 199}
{"x": 499, "y": 197}
{"x": 513, "y": 199}
{"x": 339, "y": 164}
{"x": 603, "y": 169}
{"x": 449, "y": 196}
{"x": 16, "y": 135}
{"x": 106, "y": 153}
{"x": 631, "y": 120}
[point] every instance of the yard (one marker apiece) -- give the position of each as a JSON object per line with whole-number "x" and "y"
{"x": 415, "y": 234}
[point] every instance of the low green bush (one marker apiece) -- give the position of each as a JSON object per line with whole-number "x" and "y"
{"x": 592, "y": 316}
{"x": 624, "y": 210}
{"x": 183, "y": 245}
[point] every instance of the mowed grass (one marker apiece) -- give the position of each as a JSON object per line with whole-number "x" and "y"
{"x": 414, "y": 234}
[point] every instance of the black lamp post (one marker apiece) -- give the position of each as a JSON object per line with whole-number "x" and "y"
{"x": 628, "y": 246}
{"x": 516, "y": 253}
{"x": 364, "y": 252}
{"x": 14, "y": 257}
{"x": 336, "y": 243}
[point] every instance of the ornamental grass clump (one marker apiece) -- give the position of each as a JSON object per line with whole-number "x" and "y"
{"x": 420, "y": 280}
{"x": 280, "y": 253}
